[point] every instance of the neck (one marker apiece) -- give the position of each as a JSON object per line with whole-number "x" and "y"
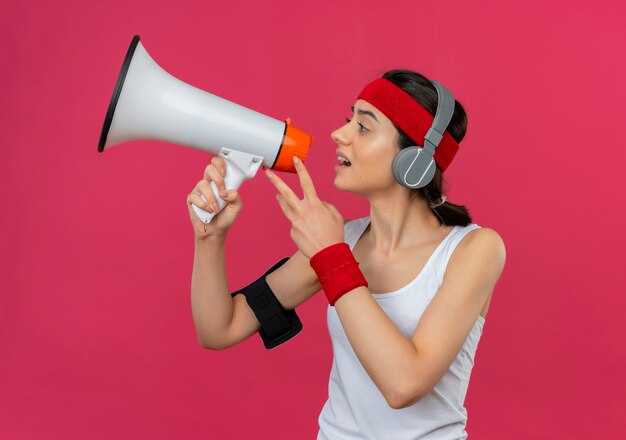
{"x": 398, "y": 222}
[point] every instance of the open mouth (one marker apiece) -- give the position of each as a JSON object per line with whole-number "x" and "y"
{"x": 343, "y": 162}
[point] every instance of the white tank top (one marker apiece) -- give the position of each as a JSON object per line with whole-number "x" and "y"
{"x": 356, "y": 409}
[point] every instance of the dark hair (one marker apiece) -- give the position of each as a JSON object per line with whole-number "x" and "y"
{"x": 425, "y": 93}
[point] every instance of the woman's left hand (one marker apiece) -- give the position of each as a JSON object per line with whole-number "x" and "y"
{"x": 314, "y": 224}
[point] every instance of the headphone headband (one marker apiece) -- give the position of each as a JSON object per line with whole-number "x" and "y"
{"x": 415, "y": 120}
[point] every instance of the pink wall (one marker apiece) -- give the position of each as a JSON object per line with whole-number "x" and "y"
{"x": 96, "y": 333}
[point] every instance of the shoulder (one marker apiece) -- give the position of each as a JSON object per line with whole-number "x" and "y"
{"x": 483, "y": 237}
{"x": 482, "y": 246}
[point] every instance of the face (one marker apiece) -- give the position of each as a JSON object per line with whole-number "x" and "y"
{"x": 369, "y": 141}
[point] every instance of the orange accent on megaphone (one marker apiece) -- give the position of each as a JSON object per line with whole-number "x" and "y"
{"x": 295, "y": 143}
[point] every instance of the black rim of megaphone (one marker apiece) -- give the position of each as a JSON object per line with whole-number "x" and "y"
{"x": 116, "y": 93}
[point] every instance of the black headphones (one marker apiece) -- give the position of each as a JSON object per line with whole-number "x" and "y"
{"x": 414, "y": 167}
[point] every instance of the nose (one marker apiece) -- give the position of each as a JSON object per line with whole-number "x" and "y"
{"x": 338, "y": 136}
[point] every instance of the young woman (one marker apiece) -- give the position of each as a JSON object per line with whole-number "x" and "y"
{"x": 408, "y": 286}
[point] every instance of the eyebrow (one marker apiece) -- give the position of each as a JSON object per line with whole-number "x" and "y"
{"x": 365, "y": 112}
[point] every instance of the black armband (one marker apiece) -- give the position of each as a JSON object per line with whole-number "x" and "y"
{"x": 277, "y": 324}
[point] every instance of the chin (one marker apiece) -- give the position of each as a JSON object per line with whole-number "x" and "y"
{"x": 339, "y": 186}
{"x": 336, "y": 185}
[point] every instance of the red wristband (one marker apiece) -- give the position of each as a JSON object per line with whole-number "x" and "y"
{"x": 337, "y": 270}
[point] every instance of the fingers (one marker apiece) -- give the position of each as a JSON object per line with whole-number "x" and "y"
{"x": 231, "y": 196}
{"x": 220, "y": 164}
{"x": 287, "y": 195}
{"x": 194, "y": 197}
{"x": 216, "y": 171}
{"x": 287, "y": 210}
{"x": 305, "y": 180}
{"x": 205, "y": 189}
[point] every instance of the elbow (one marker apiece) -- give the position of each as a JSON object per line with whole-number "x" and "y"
{"x": 211, "y": 346}
{"x": 204, "y": 344}
{"x": 404, "y": 398}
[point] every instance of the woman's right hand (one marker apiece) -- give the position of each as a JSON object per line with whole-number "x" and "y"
{"x": 221, "y": 222}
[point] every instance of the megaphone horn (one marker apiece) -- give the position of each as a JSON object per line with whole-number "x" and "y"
{"x": 149, "y": 103}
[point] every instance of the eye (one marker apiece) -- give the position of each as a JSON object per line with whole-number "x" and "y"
{"x": 361, "y": 126}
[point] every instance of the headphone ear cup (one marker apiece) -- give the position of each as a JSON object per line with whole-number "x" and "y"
{"x": 401, "y": 163}
{"x": 413, "y": 167}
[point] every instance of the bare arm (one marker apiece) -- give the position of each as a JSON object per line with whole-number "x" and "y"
{"x": 223, "y": 321}
{"x": 211, "y": 303}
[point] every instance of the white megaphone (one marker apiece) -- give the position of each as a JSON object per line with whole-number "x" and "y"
{"x": 149, "y": 103}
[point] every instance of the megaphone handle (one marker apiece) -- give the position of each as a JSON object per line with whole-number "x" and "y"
{"x": 239, "y": 167}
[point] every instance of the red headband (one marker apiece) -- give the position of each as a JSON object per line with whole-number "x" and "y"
{"x": 409, "y": 116}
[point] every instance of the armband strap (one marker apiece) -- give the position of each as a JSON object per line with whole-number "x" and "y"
{"x": 277, "y": 324}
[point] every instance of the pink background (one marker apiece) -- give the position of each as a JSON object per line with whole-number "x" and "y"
{"x": 96, "y": 333}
